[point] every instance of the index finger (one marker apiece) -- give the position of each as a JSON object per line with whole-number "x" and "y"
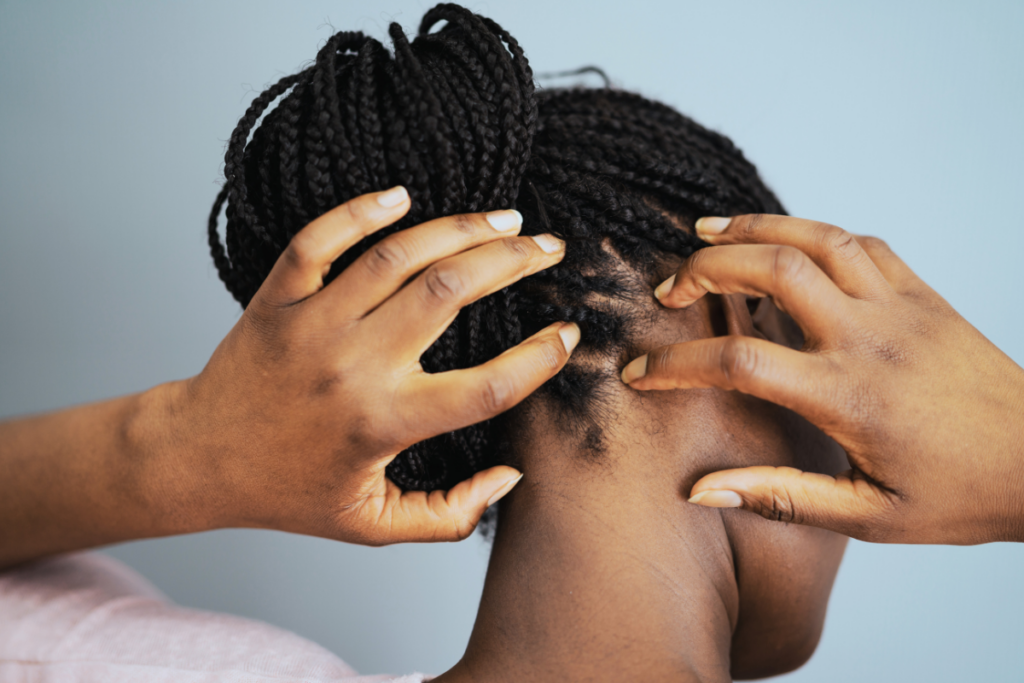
{"x": 788, "y": 275}
{"x": 446, "y": 401}
{"x": 794, "y": 379}
{"x": 837, "y": 252}
{"x": 299, "y": 271}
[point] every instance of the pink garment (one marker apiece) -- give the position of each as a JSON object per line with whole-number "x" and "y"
{"x": 87, "y": 618}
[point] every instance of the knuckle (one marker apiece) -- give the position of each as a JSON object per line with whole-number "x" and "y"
{"x": 752, "y": 225}
{"x": 889, "y": 350}
{"x": 660, "y": 362}
{"x": 444, "y": 284}
{"x": 301, "y": 252}
{"x": 788, "y": 265}
{"x": 779, "y": 506}
{"x": 519, "y": 250}
{"x": 834, "y": 242}
{"x": 738, "y": 361}
{"x": 497, "y": 395}
{"x": 696, "y": 263}
{"x": 464, "y": 224}
{"x": 356, "y": 211}
{"x": 388, "y": 258}
{"x": 870, "y": 243}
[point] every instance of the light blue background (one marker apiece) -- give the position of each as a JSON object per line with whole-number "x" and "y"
{"x": 897, "y": 119}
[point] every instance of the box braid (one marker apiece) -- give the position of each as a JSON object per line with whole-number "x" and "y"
{"x": 454, "y": 117}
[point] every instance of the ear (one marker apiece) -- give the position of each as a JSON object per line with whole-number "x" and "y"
{"x": 774, "y": 325}
{"x": 738, "y": 319}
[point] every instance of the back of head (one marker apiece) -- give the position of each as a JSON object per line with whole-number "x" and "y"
{"x": 454, "y": 117}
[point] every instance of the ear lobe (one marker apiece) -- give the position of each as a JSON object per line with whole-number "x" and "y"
{"x": 776, "y": 326}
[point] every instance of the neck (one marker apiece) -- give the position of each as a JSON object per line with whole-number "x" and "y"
{"x": 602, "y": 572}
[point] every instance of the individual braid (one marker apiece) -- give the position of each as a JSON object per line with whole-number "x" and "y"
{"x": 454, "y": 117}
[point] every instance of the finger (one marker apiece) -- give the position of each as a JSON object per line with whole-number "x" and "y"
{"x": 387, "y": 265}
{"x": 799, "y": 381}
{"x": 850, "y": 505}
{"x": 410, "y": 321}
{"x": 300, "y": 269}
{"x": 835, "y": 250}
{"x": 897, "y": 273}
{"x": 420, "y": 516}
{"x": 446, "y": 401}
{"x": 785, "y": 273}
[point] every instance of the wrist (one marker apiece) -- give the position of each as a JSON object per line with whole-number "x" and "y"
{"x": 170, "y": 474}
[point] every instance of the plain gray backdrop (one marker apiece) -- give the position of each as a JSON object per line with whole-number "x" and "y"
{"x": 902, "y": 120}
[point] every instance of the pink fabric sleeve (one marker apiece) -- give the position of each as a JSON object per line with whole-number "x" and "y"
{"x": 87, "y": 618}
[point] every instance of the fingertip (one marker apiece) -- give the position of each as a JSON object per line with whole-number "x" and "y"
{"x": 717, "y": 499}
{"x": 392, "y": 198}
{"x": 664, "y": 288}
{"x": 570, "y": 334}
{"x": 636, "y": 369}
{"x": 503, "y": 489}
{"x": 711, "y": 226}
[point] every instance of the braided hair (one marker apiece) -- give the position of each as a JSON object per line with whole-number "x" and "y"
{"x": 454, "y": 117}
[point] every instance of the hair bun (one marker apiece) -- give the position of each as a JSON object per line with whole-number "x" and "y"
{"x": 453, "y": 116}
{"x": 450, "y": 116}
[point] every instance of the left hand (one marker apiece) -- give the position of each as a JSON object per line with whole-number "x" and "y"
{"x": 930, "y": 412}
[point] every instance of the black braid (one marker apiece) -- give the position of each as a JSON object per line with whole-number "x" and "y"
{"x": 454, "y": 117}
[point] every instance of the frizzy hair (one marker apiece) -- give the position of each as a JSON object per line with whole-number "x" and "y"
{"x": 454, "y": 117}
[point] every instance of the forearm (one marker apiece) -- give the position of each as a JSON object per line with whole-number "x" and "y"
{"x": 95, "y": 474}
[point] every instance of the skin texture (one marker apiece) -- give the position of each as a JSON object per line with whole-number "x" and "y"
{"x": 930, "y": 413}
{"x": 301, "y": 407}
{"x": 601, "y": 571}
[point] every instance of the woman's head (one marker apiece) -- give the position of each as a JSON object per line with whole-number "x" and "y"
{"x": 454, "y": 117}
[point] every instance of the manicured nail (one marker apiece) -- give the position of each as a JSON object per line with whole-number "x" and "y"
{"x": 549, "y": 243}
{"x": 570, "y": 335}
{"x": 718, "y": 499}
{"x": 636, "y": 369}
{"x": 664, "y": 288}
{"x": 393, "y": 197}
{"x": 711, "y": 225}
{"x": 503, "y": 221}
{"x": 503, "y": 490}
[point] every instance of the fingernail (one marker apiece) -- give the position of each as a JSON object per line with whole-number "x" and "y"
{"x": 636, "y": 369}
{"x": 718, "y": 499}
{"x": 503, "y": 490}
{"x": 393, "y": 197}
{"x": 549, "y": 243}
{"x": 570, "y": 334}
{"x": 503, "y": 221}
{"x": 711, "y": 225}
{"x": 664, "y": 288}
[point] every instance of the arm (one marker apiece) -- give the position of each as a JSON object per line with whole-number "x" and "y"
{"x": 929, "y": 411}
{"x": 95, "y": 474}
{"x": 314, "y": 391}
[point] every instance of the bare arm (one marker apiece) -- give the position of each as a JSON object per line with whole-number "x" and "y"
{"x": 94, "y": 474}
{"x": 314, "y": 391}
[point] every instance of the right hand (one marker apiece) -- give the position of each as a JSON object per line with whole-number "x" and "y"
{"x": 317, "y": 388}
{"x": 930, "y": 412}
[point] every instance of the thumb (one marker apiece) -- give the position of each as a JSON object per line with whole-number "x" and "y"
{"x": 849, "y": 503}
{"x": 450, "y": 515}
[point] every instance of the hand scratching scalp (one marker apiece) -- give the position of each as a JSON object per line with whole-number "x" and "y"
{"x": 453, "y": 116}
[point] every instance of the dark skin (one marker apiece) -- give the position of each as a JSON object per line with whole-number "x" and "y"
{"x": 927, "y": 409}
{"x": 601, "y": 570}
{"x": 314, "y": 391}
